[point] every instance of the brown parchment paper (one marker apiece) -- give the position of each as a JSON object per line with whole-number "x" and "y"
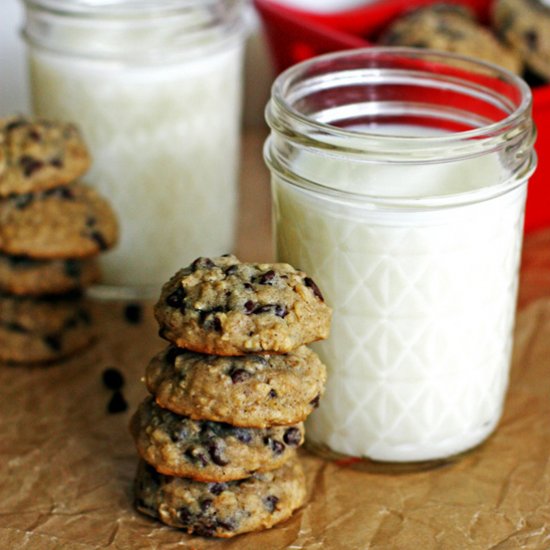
{"x": 66, "y": 466}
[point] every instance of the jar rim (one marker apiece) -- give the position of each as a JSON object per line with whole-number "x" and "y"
{"x": 290, "y": 125}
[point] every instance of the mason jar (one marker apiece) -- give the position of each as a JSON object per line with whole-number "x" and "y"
{"x": 399, "y": 179}
{"x": 156, "y": 90}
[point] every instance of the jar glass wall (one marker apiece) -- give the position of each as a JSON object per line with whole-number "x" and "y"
{"x": 399, "y": 179}
{"x": 156, "y": 90}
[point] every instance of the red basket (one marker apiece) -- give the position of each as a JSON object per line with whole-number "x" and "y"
{"x": 295, "y": 35}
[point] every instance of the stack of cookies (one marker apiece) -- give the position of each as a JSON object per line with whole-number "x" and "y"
{"x": 218, "y": 436}
{"x": 51, "y": 230}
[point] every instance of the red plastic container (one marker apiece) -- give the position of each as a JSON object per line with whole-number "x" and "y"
{"x": 295, "y": 35}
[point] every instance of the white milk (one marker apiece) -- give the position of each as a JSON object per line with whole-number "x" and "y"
{"x": 424, "y": 303}
{"x": 165, "y": 148}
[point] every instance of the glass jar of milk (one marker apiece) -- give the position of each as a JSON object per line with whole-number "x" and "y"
{"x": 399, "y": 179}
{"x": 156, "y": 89}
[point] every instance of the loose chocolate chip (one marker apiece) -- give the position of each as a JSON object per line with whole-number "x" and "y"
{"x": 72, "y": 268}
{"x": 112, "y": 378}
{"x": 99, "y": 239}
{"x": 239, "y": 375}
{"x": 315, "y": 401}
{"x": 206, "y": 504}
{"x": 185, "y": 515}
{"x": 267, "y": 277}
{"x": 30, "y": 165}
{"x": 272, "y": 394}
{"x": 176, "y": 298}
{"x": 310, "y": 283}
{"x": 133, "y": 313}
{"x": 243, "y": 435}
{"x": 53, "y": 341}
{"x": 218, "y": 488}
{"x": 117, "y": 403}
{"x": 270, "y": 503}
{"x": 215, "y": 450}
{"x": 292, "y": 437}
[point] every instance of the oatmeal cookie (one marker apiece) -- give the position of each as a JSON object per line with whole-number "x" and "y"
{"x": 224, "y": 307}
{"x": 26, "y": 276}
{"x": 36, "y": 155}
{"x": 255, "y": 391}
{"x": 221, "y": 509}
{"x": 450, "y": 28}
{"x": 525, "y": 25}
{"x": 209, "y": 451}
{"x": 72, "y": 221}
{"x": 41, "y": 330}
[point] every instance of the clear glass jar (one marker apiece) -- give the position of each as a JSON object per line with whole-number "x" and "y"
{"x": 399, "y": 179}
{"x": 156, "y": 89}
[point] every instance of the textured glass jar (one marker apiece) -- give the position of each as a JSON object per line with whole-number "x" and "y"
{"x": 399, "y": 180}
{"x": 156, "y": 90}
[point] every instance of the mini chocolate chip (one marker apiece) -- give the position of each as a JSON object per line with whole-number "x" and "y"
{"x": 185, "y": 515}
{"x": 315, "y": 401}
{"x": 53, "y": 341}
{"x": 243, "y": 435}
{"x": 18, "y": 123}
{"x": 215, "y": 450}
{"x": 30, "y": 165}
{"x": 270, "y": 503}
{"x": 218, "y": 488}
{"x": 531, "y": 39}
{"x": 231, "y": 270}
{"x": 133, "y": 313}
{"x": 22, "y": 201}
{"x": 247, "y": 286}
{"x": 202, "y": 263}
{"x": 34, "y": 135}
{"x": 117, "y": 403}
{"x": 56, "y": 162}
{"x": 195, "y": 455}
{"x": 276, "y": 446}
{"x": 176, "y": 298}
{"x": 112, "y": 378}
{"x": 275, "y": 309}
{"x": 66, "y": 194}
{"x": 239, "y": 375}
{"x": 249, "y": 307}
{"x": 272, "y": 394}
{"x": 206, "y": 504}
{"x": 292, "y": 437}
{"x": 227, "y": 525}
{"x": 267, "y": 277}
{"x": 99, "y": 239}
{"x": 72, "y": 268}
{"x": 310, "y": 283}
{"x": 206, "y": 529}
{"x": 217, "y": 324}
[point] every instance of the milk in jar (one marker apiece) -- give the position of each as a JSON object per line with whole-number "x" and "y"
{"x": 413, "y": 232}
{"x": 156, "y": 91}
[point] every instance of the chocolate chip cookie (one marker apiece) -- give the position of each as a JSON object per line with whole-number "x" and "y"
{"x": 71, "y": 221}
{"x": 249, "y": 391}
{"x": 36, "y": 155}
{"x": 209, "y": 451}
{"x": 221, "y": 509}
{"x": 525, "y": 25}
{"x": 450, "y": 28}
{"x": 22, "y": 275}
{"x": 225, "y": 307}
{"x": 42, "y": 329}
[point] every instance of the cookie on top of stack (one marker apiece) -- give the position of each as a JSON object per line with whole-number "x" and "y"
{"x": 219, "y": 433}
{"x": 51, "y": 230}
